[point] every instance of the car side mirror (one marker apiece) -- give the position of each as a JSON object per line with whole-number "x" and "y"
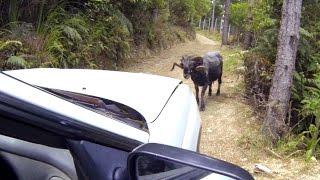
{"x": 157, "y": 161}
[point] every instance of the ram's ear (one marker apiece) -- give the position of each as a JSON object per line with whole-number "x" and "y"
{"x": 201, "y": 68}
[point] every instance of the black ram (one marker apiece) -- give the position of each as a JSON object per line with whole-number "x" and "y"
{"x": 203, "y": 71}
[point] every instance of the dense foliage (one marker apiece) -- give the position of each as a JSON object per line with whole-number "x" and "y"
{"x": 255, "y": 25}
{"x": 238, "y": 16}
{"x": 263, "y": 22}
{"x": 90, "y": 33}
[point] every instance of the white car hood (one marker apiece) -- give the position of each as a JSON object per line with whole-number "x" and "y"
{"x": 145, "y": 93}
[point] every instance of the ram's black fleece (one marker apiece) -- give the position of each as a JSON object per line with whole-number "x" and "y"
{"x": 203, "y": 71}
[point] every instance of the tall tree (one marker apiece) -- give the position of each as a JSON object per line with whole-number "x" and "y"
{"x": 13, "y": 10}
{"x": 274, "y": 125}
{"x": 226, "y": 22}
{"x": 40, "y": 16}
{"x": 248, "y": 33}
{"x": 212, "y": 16}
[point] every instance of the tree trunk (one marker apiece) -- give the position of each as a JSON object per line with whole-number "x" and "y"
{"x": 215, "y": 24}
{"x": 274, "y": 125}
{"x": 13, "y": 11}
{"x": 221, "y": 24}
{"x": 225, "y": 22}
{"x": 204, "y": 24}
{"x": 40, "y": 17}
{"x": 155, "y": 15}
{"x": 212, "y": 16}
{"x": 248, "y": 35}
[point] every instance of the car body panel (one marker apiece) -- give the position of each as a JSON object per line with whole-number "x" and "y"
{"x": 169, "y": 108}
{"x": 143, "y": 92}
{"x": 29, "y": 112}
{"x": 179, "y": 117}
{"x": 42, "y": 99}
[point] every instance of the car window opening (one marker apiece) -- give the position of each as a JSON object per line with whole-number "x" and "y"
{"x": 104, "y": 107}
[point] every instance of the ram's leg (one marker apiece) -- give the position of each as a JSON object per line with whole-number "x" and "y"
{"x": 219, "y": 84}
{"x": 203, "y": 91}
{"x": 210, "y": 89}
{"x": 197, "y": 93}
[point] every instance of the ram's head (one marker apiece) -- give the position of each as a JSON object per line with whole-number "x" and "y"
{"x": 190, "y": 64}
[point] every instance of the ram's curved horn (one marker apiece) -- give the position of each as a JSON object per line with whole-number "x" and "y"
{"x": 201, "y": 68}
{"x": 176, "y": 64}
{"x": 197, "y": 58}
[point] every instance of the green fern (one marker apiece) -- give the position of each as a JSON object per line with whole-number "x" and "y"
{"x": 79, "y": 23}
{"x": 16, "y": 62}
{"x": 125, "y": 22}
{"x": 311, "y": 106}
{"x": 10, "y": 46}
{"x": 71, "y": 33}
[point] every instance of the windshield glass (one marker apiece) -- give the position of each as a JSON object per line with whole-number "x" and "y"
{"x": 104, "y": 107}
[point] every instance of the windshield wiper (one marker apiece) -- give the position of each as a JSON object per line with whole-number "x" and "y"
{"x": 104, "y": 107}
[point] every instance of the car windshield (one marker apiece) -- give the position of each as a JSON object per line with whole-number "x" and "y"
{"x": 104, "y": 107}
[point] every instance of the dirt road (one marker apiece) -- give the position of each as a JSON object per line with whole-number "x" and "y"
{"x": 228, "y": 126}
{"x": 220, "y": 123}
